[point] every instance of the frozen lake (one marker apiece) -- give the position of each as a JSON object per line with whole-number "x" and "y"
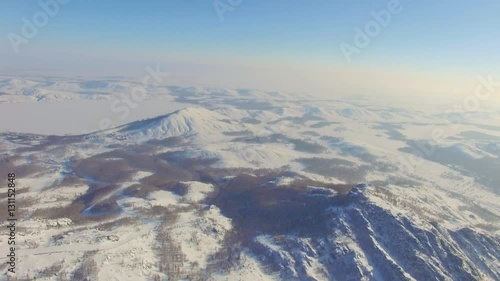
{"x": 78, "y": 116}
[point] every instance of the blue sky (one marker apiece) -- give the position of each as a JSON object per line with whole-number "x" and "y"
{"x": 461, "y": 37}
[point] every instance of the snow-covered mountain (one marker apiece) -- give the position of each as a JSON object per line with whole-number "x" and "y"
{"x": 250, "y": 185}
{"x": 185, "y": 122}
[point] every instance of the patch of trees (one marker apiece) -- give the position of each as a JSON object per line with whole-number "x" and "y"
{"x": 104, "y": 170}
{"x": 168, "y": 174}
{"x": 88, "y": 270}
{"x": 51, "y": 271}
{"x": 270, "y": 209}
{"x": 170, "y": 253}
{"x": 74, "y": 210}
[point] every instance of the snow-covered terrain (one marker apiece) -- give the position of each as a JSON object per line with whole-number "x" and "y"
{"x": 240, "y": 184}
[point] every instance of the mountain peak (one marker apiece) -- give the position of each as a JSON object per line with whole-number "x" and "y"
{"x": 184, "y": 122}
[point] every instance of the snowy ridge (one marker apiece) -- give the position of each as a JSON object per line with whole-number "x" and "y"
{"x": 185, "y": 122}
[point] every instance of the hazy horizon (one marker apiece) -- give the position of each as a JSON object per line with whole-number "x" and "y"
{"x": 408, "y": 47}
